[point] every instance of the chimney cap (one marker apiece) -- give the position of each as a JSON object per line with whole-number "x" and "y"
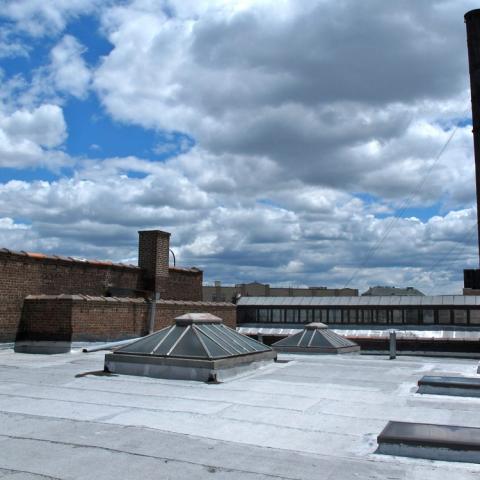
{"x": 191, "y": 318}
{"x": 472, "y": 13}
{"x": 159, "y": 232}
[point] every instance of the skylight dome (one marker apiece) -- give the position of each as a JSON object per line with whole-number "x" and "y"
{"x": 197, "y": 347}
{"x": 316, "y": 338}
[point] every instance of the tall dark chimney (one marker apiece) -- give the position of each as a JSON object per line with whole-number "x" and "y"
{"x": 472, "y": 20}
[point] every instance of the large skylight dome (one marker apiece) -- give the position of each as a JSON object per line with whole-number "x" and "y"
{"x": 197, "y": 347}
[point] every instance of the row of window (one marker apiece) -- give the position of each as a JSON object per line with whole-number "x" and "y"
{"x": 410, "y": 316}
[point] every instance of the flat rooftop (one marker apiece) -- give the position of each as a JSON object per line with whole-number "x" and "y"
{"x": 314, "y": 417}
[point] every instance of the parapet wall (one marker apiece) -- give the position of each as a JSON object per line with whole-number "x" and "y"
{"x": 185, "y": 284}
{"x": 22, "y": 274}
{"x": 79, "y": 318}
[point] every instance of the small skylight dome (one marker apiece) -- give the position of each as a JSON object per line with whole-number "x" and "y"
{"x": 316, "y": 338}
{"x": 197, "y": 347}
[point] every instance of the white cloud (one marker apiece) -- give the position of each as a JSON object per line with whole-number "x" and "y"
{"x": 299, "y": 111}
{"x": 68, "y": 69}
{"x": 27, "y": 137}
{"x": 41, "y": 17}
{"x": 289, "y": 84}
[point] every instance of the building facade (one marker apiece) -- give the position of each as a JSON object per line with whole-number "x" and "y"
{"x": 439, "y": 310}
{"x": 387, "y": 291}
{"x": 229, "y": 293}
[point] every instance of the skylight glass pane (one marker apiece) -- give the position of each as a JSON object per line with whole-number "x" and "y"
{"x": 306, "y": 338}
{"x": 145, "y": 344}
{"x": 290, "y": 341}
{"x": 213, "y": 348}
{"x": 189, "y": 346}
{"x": 212, "y": 332}
{"x": 169, "y": 341}
{"x": 319, "y": 340}
{"x": 238, "y": 340}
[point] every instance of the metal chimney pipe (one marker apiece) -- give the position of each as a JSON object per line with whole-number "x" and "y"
{"x": 472, "y": 21}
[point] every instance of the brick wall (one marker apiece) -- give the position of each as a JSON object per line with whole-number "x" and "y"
{"x": 153, "y": 256}
{"x": 185, "y": 284}
{"x": 83, "y": 318}
{"x": 22, "y": 274}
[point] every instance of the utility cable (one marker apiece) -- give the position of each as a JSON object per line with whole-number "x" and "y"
{"x": 457, "y": 245}
{"x": 406, "y": 204}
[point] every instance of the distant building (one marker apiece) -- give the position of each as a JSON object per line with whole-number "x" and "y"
{"x": 386, "y": 291}
{"x": 228, "y": 293}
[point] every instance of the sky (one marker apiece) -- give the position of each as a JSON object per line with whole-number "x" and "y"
{"x": 312, "y": 143}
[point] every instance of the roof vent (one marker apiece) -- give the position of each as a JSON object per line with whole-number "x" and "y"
{"x": 316, "y": 338}
{"x": 197, "y": 347}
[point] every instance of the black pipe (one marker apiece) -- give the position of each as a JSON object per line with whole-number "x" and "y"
{"x": 472, "y": 21}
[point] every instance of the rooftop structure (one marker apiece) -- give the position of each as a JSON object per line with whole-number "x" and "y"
{"x": 197, "y": 347}
{"x": 316, "y": 338}
{"x": 228, "y": 293}
{"x": 63, "y": 417}
{"x": 441, "y": 323}
{"x": 379, "y": 291}
{"x": 407, "y": 310}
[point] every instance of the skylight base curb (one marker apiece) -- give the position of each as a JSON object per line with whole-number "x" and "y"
{"x": 187, "y": 369}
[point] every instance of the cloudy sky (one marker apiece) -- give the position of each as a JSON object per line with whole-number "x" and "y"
{"x": 313, "y": 142}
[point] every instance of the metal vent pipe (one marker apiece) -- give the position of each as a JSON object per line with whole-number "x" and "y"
{"x": 472, "y": 21}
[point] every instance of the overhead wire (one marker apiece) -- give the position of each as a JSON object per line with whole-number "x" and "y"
{"x": 404, "y": 206}
{"x": 443, "y": 261}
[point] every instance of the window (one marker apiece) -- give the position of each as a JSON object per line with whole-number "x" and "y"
{"x": 291, "y": 315}
{"x": 320, "y": 315}
{"x": 382, "y": 316}
{"x": 304, "y": 316}
{"x": 428, "y": 316}
{"x": 459, "y": 316}
{"x": 247, "y": 315}
{"x": 396, "y": 316}
{"x": 475, "y": 317}
{"x": 444, "y": 317}
{"x": 277, "y": 315}
{"x": 263, "y": 315}
{"x": 335, "y": 316}
{"x": 411, "y": 316}
{"x": 367, "y": 316}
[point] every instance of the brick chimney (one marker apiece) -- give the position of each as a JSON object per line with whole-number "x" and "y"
{"x": 153, "y": 255}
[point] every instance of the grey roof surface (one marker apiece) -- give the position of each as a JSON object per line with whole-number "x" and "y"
{"x": 200, "y": 336}
{"x": 314, "y": 417}
{"x": 387, "y": 301}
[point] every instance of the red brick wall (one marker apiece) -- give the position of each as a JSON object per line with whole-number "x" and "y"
{"x": 22, "y": 275}
{"x": 42, "y": 319}
{"x": 167, "y": 310}
{"x": 153, "y": 257}
{"x": 82, "y": 318}
{"x": 185, "y": 285}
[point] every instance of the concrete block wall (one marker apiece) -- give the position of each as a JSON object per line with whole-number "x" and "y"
{"x": 79, "y": 318}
